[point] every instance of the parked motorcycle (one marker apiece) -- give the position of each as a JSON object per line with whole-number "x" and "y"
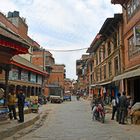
{"x": 99, "y": 113}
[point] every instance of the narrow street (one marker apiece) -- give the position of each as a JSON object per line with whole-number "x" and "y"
{"x": 72, "y": 121}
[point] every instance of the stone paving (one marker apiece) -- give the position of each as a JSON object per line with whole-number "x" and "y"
{"x": 72, "y": 121}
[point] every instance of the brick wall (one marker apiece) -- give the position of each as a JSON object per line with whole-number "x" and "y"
{"x": 128, "y": 32}
{"x": 4, "y": 21}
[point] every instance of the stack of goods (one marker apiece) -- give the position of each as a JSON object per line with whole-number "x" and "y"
{"x": 3, "y": 109}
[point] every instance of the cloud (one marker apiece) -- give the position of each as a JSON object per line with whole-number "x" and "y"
{"x": 63, "y": 24}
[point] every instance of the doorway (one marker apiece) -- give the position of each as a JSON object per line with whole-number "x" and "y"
{"x": 137, "y": 90}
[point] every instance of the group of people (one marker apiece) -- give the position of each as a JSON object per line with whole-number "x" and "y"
{"x": 16, "y": 100}
{"x": 121, "y": 106}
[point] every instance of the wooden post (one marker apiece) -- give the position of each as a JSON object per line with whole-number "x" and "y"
{"x": 7, "y": 68}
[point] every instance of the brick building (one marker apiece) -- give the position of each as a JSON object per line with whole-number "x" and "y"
{"x": 82, "y": 73}
{"x": 10, "y": 45}
{"x": 105, "y": 57}
{"x": 131, "y": 56}
{"x": 21, "y": 72}
{"x": 56, "y": 72}
{"x": 68, "y": 85}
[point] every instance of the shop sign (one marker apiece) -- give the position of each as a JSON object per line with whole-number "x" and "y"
{"x": 137, "y": 36}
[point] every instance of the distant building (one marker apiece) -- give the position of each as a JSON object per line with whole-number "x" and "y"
{"x": 56, "y": 72}
{"x": 68, "y": 85}
{"x": 82, "y": 73}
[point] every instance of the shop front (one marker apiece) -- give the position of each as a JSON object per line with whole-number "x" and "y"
{"x": 130, "y": 82}
{"x": 10, "y": 44}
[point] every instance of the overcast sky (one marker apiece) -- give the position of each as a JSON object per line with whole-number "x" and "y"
{"x": 63, "y": 24}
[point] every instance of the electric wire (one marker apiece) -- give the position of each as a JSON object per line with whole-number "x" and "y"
{"x": 66, "y": 50}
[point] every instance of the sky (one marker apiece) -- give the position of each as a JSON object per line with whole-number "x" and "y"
{"x": 63, "y": 25}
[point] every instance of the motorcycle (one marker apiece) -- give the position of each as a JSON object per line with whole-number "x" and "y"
{"x": 99, "y": 113}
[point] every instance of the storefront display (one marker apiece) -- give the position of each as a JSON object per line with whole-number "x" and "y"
{"x": 3, "y": 108}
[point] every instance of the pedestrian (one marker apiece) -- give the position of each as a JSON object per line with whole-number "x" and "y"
{"x": 114, "y": 107}
{"x": 122, "y": 106}
{"x": 21, "y": 101}
{"x": 118, "y": 107}
{"x": 11, "y": 101}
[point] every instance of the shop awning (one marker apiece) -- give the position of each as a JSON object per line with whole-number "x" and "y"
{"x": 128, "y": 74}
{"x": 105, "y": 83}
{"x": 100, "y": 84}
{"x": 93, "y": 85}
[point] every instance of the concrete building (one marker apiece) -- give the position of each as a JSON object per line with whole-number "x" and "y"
{"x": 131, "y": 56}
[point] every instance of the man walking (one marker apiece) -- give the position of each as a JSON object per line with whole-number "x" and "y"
{"x": 12, "y": 105}
{"x": 122, "y": 106}
{"x": 118, "y": 107}
{"x": 21, "y": 101}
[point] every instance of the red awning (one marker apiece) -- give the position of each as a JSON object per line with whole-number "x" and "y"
{"x": 18, "y": 48}
{"x": 28, "y": 68}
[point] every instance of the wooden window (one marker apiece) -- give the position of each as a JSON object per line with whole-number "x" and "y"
{"x": 133, "y": 50}
{"x": 104, "y": 52}
{"x": 115, "y": 40}
{"x": 116, "y": 65}
{"x": 110, "y": 68}
{"x": 109, "y": 48}
{"x": 104, "y": 71}
{"x": 100, "y": 74}
{"x": 96, "y": 59}
{"x": 100, "y": 55}
{"x": 132, "y": 7}
{"x": 96, "y": 75}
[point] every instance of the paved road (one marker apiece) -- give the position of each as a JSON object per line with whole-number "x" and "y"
{"x": 72, "y": 121}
